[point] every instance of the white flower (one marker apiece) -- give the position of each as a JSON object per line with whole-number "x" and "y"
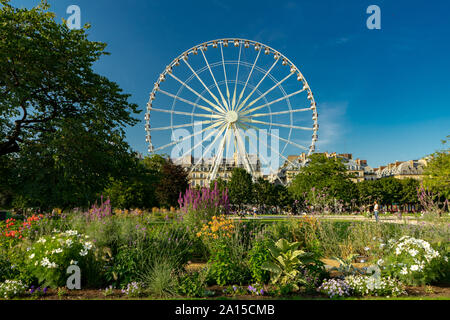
{"x": 31, "y": 256}
{"x": 414, "y": 267}
{"x": 59, "y": 250}
{"x": 413, "y": 252}
{"x": 83, "y": 252}
{"x": 367, "y": 248}
{"x": 380, "y": 262}
{"x": 404, "y": 271}
{"x": 41, "y": 240}
{"x": 72, "y": 262}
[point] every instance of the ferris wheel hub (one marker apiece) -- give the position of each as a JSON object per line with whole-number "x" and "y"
{"x": 231, "y": 116}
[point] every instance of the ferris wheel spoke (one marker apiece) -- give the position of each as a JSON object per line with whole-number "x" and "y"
{"x": 257, "y": 86}
{"x": 219, "y": 156}
{"x": 256, "y": 115}
{"x": 198, "y": 94}
{"x": 187, "y": 137}
{"x": 273, "y": 150}
{"x": 288, "y": 141}
{"x": 205, "y": 138}
{"x": 188, "y": 113}
{"x": 225, "y": 75}
{"x": 182, "y": 125}
{"x": 209, "y": 147}
{"x": 251, "y": 144}
{"x": 241, "y": 148}
{"x": 233, "y": 103}
{"x": 267, "y": 92}
{"x": 277, "y": 124}
{"x": 189, "y": 102}
{"x": 249, "y": 76}
{"x": 272, "y": 102}
{"x": 204, "y": 85}
{"x": 215, "y": 82}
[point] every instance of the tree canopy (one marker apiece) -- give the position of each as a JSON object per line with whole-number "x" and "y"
{"x": 326, "y": 175}
{"x": 240, "y": 187}
{"x": 437, "y": 171}
{"x": 47, "y": 77}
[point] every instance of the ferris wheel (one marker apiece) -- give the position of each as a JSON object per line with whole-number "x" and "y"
{"x": 234, "y": 95}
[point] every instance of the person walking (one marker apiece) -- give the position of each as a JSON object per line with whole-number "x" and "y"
{"x": 375, "y": 210}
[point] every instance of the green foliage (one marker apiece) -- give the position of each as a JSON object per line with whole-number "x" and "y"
{"x": 12, "y": 288}
{"x": 415, "y": 261}
{"x": 50, "y": 256}
{"x": 173, "y": 181}
{"x": 437, "y": 171}
{"x": 192, "y": 284}
{"x": 346, "y": 266}
{"x": 160, "y": 278}
{"x": 286, "y": 262}
{"x": 264, "y": 193}
{"x": 51, "y": 100}
{"x": 137, "y": 190}
{"x": 388, "y": 191}
{"x": 226, "y": 264}
{"x": 257, "y": 256}
{"x": 49, "y": 78}
{"x": 325, "y": 175}
{"x": 240, "y": 187}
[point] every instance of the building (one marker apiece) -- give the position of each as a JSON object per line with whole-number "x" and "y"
{"x": 204, "y": 167}
{"x": 357, "y": 167}
{"x": 402, "y": 169}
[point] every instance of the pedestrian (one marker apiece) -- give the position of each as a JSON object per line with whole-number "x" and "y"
{"x": 375, "y": 210}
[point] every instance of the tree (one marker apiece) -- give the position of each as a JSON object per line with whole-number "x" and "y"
{"x": 325, "y": 175}
{"x": 240, "y": 187}
{"x": 283, "y": 197}
{"x": 173, "y": 179}
{"x": 136, "y": 190}
{"x": 264, "y": 193}
{"x": 59, "y": 171}
{"x": 222, "y": 185}
{"x": 437, "y": 171}
{"x": 409, "y": 191}
{"x": 46, "y": 77}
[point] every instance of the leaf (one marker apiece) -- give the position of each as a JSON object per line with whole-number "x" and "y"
{"x": 270, "y": 266}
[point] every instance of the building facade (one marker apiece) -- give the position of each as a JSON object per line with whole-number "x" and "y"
{"x": 200, "y": 169}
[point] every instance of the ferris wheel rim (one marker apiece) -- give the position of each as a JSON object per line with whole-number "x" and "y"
{"x": 240, "y": 42}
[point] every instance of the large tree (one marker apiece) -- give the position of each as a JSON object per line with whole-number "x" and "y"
{"x": 240, "y": 187}
{"x": 264, "y": 193}
{"x": 61, "y": 124}
{"x": 47, "y": 77}
{"x": 325, "y": 175}
{"x": 437, "y": 171}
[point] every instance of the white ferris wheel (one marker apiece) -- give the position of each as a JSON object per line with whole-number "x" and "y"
{"x": 227, "y": 92}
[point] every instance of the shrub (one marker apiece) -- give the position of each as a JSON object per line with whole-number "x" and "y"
{"x": 149, "y": 244}
{"x": 160, "y": 279}
{"x": 335, "y": 288}
{"x": 199, "y": 206}
{"x": 257, "y": 256}
{"x": 371, "y": 286}
{"x": 134, "y": 290}
{"x": 226, "y": 264}
{"x": 413, "y": 261}
{"x": 12, "y": 288}
{"x": 286, "y": 261}
{"x": 192, "y": 284}
{"x": 49, "y": 257}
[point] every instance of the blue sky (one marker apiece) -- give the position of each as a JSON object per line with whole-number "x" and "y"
{"x": 383, "y": 95}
